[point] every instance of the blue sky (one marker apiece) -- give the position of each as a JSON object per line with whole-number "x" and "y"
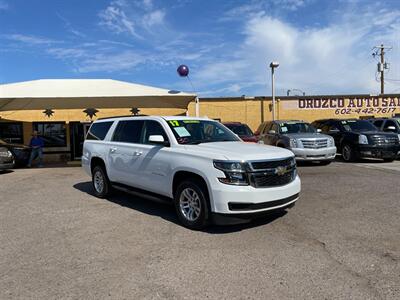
{"x": 324, "y": 47}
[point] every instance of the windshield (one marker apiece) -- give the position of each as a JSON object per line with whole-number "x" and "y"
{"x": 241, "y": 129}
{"x": 358, "y": 125}
{"x": 296, "y": 127}
{"x": 200, "y": 131}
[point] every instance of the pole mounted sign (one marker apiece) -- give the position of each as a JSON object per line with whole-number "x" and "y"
{"x": 352, "y": 105}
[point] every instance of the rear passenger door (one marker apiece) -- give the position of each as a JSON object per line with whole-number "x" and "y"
{"x": 123, "y": 155}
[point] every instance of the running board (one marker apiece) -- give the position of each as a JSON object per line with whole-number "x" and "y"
{"x": 142, "y": 193}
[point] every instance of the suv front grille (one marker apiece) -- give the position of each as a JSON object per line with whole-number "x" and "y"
{"x": 272, "y": 173}
{"x": 381, "y": 140}
{"x": 314, "y": 144}
{"x": 262, "y": 165}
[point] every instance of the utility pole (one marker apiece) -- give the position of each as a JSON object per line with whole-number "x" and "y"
{"x": 382, "y": 65}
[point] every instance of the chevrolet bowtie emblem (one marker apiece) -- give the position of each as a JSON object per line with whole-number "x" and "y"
{"x": 281, "y": 171}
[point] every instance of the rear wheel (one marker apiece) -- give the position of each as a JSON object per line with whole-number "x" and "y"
{"x": 191, "y": 204}
{"x": 348, "y": 153}
{"x": 100, "y": 182}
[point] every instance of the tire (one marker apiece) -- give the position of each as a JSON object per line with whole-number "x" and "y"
{"x": 192, "y": 204}
{"x": 348, "y": 153}
{"x": 101, "y": 184}
{"x": 388, "y": 159}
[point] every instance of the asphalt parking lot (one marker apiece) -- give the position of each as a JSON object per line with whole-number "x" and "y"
{"x": 341, "y": 241}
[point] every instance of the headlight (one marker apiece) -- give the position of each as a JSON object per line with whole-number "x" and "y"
{"x": 331, "y": 142}
{"x": 235, "y": 172}
{"x": 362, "y": 139}
{"x": 4, "y": 152}
{"x": 294, "y": 143}
{"x": 399, "y": 136}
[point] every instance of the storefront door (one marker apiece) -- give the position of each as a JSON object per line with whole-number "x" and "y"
{"x": 78, "y": 133}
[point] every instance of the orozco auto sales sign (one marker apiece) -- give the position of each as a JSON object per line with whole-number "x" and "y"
{"x": 356, "y": 105}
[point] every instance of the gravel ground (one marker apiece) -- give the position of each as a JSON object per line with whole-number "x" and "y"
{"x": 341, "y": 241}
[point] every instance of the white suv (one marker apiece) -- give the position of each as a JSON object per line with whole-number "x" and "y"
{"x": 198, "y": 164}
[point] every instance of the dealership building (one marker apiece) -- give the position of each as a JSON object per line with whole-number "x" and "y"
{"x": 61, "y": 110}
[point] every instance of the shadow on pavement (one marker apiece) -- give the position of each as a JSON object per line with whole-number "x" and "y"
{"x": 167, "y": 212}
{"x": 3, "y": 172}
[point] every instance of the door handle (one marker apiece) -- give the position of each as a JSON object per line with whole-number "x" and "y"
{"x": 137, "y": 153}
{"x": 113, "y": 149}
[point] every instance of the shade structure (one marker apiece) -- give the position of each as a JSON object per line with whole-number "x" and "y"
{"x": 85, "y": 93}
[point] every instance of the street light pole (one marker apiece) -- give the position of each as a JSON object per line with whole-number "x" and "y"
{"x": 273, "y": 65}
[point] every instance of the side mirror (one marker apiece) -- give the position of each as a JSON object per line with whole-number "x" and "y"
{"x": 319, "y": 130}
{"x": 272, "y": 132}
{"x": 391, "y": 128}
{"x": 158, "y": 140}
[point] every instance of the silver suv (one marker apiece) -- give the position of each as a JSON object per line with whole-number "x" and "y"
{"x": 306, "y": 142}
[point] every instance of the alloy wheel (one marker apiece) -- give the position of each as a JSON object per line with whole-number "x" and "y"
{"x": 98, "y": 182}
{"x": 346, "y": 152}
{"x": 190, "y": 204}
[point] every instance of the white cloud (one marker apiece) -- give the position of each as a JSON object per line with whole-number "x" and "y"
{"x": 29, "y": 39}
{"x": 114, "y": 18}
{"x": 137, "y": 18}
{"x": 333, "y": 59}
{"x": 125, "y": 60}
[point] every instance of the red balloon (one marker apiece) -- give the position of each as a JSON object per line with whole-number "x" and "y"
{"x": 183, "y": 70}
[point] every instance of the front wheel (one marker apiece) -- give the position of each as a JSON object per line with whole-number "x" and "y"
{"x": 100, "y": 182}
{"x": 191, "y": 204}
{"x": 348, "y": 153}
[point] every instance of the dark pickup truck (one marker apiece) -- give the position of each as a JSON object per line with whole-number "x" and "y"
{"x": 355, "y": 139}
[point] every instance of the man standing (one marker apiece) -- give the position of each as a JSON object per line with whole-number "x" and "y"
{"x": 37, "y": 149}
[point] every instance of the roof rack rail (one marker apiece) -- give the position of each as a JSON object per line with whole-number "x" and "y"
{"x": 124, "y": 116}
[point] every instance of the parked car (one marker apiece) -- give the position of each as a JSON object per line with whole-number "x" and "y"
{"x": 355, "y": 139}
{"x": 242, "y": 130}
{"x": 20, "y": 153}
{"x": 6, "y": 159}
{"x": 301, "y": 138}
{"x": 205, "y": 170}
{"x": 387, "y": 124}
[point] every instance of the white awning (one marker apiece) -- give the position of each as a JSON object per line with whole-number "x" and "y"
{"x": 87, "y": 93}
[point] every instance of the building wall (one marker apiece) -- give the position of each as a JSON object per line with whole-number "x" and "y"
{"x": 248, "y": 110}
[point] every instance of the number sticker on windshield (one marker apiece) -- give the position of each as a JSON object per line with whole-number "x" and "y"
{"x": 174, "y": 123}
{"x": 284, "y": 129}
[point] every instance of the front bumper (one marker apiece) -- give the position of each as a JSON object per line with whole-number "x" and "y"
{"x": 379, "y": 151}
{"x": 322, "y": 154}
{"x": 230, "y": 199}
{"x": 6, "y": 165}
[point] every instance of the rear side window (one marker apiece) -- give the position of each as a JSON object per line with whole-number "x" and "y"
{"x": 128, "y": 131}
{"x": 98, "y": 131}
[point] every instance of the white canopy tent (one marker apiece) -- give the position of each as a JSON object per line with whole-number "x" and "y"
{"x": 87, "y": 93}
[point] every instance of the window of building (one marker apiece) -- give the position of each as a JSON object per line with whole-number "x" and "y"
{"x": 11, "y": 132}
{"x": 52, "y": 133}
{"x": 98, "y": 131}
{"x": 128, "y": 131}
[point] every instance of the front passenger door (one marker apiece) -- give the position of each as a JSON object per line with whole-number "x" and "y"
{"x": 155, "y": 165}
